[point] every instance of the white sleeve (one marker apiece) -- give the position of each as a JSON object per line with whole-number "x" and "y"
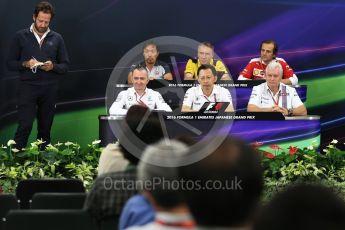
{"x": 295, "y": 99}
{"x": 188, "y": 97}
{"x": 117, "y": 107}
{"x": 255, "y": 97}
{"x": 242, "y": 78}
{"x": 161, "y": 104}
{"x": 226, "y": 95}
{"x": 293, "y": 79}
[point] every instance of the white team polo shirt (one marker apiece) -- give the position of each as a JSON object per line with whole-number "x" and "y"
{"x": 195, "y": 98}
{"x": 286, "y": 97}
{"x": 158, "y": 70}
{"x": 152, "y": 99}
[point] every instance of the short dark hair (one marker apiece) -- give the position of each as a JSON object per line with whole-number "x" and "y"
{"x": 150, "y": 132}
{"x": 207, "y": 66}
{"x": 303, "y": 206}
{"x": 149, "y": 43}
{"x": 139, "y": 67}
{"x": 207, "y": 44}
{"x": 45, "y": 7}
{"x": 275, "y": 45}
{"x": 232, "y": 161}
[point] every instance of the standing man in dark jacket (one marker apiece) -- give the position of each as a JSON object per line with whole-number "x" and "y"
{"x": 40, "y": 56}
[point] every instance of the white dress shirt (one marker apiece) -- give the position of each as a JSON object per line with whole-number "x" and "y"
{"x": 195, "y": 98}
{"x": 152, "y": 99}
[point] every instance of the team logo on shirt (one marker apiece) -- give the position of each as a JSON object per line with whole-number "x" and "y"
{"x": 258, "y": 72}
{"x": 129, "y": 98}
{"x": 265, "y": 100}
{"x": 149, "y": 98}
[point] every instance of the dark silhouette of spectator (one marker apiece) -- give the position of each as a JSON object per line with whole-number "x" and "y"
{"x": 224, "y": 188}
{"x": 111, "y": 190}
{"x": 303, "y": 206}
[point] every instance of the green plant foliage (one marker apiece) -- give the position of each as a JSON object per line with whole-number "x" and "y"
{"x": 61, "y": 160}
{"x": 69, "y": 160}
{"x": 286, "y": 166}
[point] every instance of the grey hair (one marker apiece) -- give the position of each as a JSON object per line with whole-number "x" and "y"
{"x": 157, "y": 177}
{"x": 275, "y": 65}
{"x": 158, "y": 159}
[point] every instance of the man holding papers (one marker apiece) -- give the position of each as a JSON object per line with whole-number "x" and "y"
{"x": 40, "y": 56}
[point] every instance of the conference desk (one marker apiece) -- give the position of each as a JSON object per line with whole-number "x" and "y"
{"x": 173, "y": 92}
{"x": 267, "y": 128}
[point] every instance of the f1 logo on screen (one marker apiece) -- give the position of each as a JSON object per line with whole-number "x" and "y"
{"x": 172, "y": 46}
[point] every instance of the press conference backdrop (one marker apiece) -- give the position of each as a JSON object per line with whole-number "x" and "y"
{"x": 98, "y": 33}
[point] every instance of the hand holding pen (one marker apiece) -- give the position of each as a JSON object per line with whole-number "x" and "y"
{"x": 30, "y": 63}
{"x": 46, "y": 66}
{"x": 33, "y": 64}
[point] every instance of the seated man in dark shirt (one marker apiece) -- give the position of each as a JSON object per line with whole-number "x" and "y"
{"x": 156, "y": 69}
